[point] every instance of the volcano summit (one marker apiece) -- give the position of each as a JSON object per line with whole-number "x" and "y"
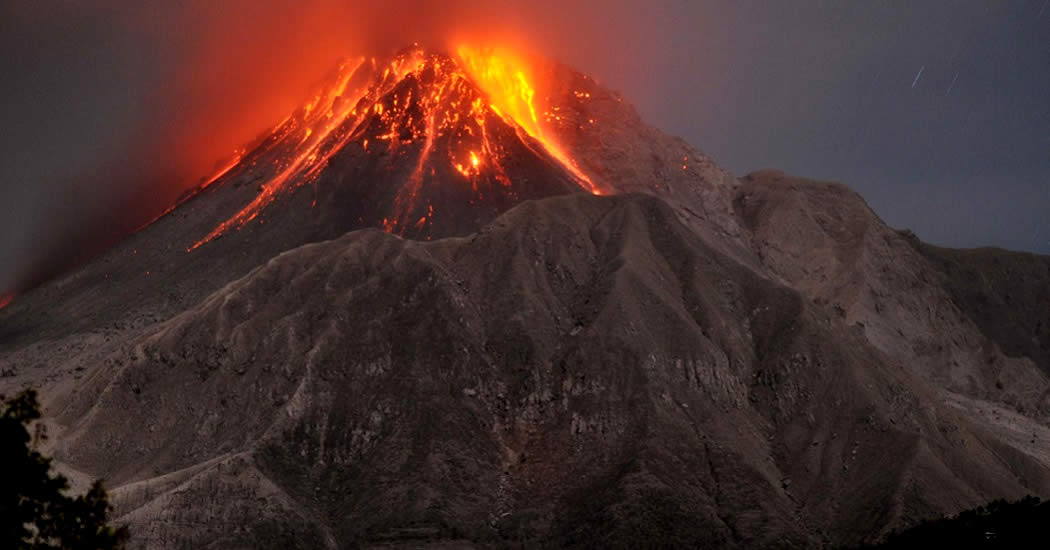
{"x": 460, "y": 300}
{"x": 420, "y": 143}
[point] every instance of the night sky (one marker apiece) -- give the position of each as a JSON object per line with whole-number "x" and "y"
{"x": 937, "y": 112}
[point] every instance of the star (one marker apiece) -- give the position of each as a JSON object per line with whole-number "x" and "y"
{"x": 918, "y": 76}
{"x": 952, "y": 85}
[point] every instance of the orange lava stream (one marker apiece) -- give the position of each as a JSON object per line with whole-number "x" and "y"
{"x": 403, "y": 201}
{"x": 237, "y": 157}
{"x": 308, "y": 153}
{"x": 224, "y": 170}
{"x": 503, "y": 77}
{"x": 442, "y": 106}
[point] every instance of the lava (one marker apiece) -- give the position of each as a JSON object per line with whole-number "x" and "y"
{"x": 410, "y": 103}
{"x": 503, "y": 77}
{"x": 233, "y": 162}
{"x": 324, "y": 120}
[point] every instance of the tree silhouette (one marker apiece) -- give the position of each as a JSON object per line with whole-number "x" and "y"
{"x": 998, "y": 524}
{"x": 35, "y": 512}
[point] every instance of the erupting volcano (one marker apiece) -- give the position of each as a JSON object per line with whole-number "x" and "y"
{"x": 468, "y": 299}
{"x": 431, "y": 135}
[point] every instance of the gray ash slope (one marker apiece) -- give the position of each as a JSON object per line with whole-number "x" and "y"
{"x": 695, "y": 361}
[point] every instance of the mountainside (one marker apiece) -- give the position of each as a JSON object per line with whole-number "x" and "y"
{"x": 1005, "y": 293}
{"x": 823, "y": 240}
{"x": 443, "y": 306}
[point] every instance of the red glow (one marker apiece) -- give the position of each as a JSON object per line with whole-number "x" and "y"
{"x": 6, "y": 299}
{"x": 234, "y": 161}
{"x": 463, "y": 94}
{"x": 505, "y": 77}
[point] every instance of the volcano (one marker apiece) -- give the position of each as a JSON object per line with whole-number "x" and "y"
{"x": 463, "y": 299}
{"x": 412, "y": 145}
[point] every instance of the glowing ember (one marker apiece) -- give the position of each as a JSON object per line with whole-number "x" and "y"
{"x": 405, "y": 108}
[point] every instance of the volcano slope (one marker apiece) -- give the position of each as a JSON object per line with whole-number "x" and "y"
{"x": 635, "y": 386}
{"x": 693, "y": 361}
{"x": 386, "y": 145}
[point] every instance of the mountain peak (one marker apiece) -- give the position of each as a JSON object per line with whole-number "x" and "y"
{"x": 470, "y": 123}
{"x": 424, "y": 144}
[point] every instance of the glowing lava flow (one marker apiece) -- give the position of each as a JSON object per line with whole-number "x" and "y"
{"x": 451, "y": 112}
{"x": 234, "y": 161}
{"x": 416, "y": 104}
{"x": 503, "y": 77}
{"x": 319, "y": 118}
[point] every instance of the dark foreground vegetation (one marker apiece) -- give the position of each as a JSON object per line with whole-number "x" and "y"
{"x": 998, "y": 524}
{"x": 35, "y": 511}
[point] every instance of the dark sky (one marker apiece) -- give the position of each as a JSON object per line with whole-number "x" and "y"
{"x": 937, "y": 112}
{"x": 832, "y": 90}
